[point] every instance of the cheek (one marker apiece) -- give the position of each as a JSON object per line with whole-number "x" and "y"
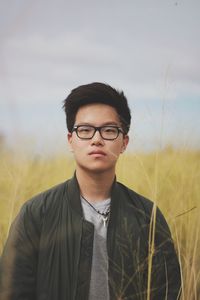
{"x": 115, "y": 151}
{"x": 78, "y": 147}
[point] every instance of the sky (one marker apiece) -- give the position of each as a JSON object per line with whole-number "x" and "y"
{"x": 148, "y": 49}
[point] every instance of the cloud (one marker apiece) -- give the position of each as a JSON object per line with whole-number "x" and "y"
{"x": 74, "y": 57}
{"x": 149, "y": 50}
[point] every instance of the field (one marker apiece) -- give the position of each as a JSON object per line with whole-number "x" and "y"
{"x": 170, "y": 178}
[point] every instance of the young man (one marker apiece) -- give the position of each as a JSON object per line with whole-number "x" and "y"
{"x": 91, "y": 237}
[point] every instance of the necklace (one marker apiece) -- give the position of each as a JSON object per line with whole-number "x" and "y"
{"x": 104, "y": 215}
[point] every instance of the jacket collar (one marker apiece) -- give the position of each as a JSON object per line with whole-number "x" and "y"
{"x": 74, "y": 196}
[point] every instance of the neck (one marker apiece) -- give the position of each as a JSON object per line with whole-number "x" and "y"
{"x": 95, "y": 186}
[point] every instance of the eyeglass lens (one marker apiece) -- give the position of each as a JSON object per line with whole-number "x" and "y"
{"x": 107, "y": 132}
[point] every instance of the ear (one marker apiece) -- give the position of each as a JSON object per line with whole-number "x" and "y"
{"x": 125, "y": 143}
{"x": 69, "y": 138}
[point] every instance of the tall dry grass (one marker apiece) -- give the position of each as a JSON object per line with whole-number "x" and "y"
{"x": 169, "y": 177}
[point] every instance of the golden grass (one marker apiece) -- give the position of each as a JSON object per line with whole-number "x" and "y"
{"x": 170, "y": 178}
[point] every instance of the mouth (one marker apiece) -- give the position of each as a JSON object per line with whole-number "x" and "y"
{"x": 97, "y": 153}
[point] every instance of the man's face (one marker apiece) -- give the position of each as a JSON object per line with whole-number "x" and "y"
{"x": 97, "y": 154}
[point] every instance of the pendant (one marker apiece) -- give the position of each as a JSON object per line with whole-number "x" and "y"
{"x": 104, "y": 219}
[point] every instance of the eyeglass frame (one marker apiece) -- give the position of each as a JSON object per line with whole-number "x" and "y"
{"x": 119, "y": 129}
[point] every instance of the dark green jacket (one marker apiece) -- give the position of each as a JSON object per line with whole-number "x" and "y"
{"x": 48, "y": 253}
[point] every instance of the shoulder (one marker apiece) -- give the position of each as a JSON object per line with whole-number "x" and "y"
{"x": 136, "y": 199}
{"x": 46, "y": 198}
{"x": 35, "y": 208}
{"x": 149, "y": 212}
{"x": 143, "y": 204}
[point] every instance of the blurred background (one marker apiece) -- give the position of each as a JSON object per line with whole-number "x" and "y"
{"x": 148, "y": 49}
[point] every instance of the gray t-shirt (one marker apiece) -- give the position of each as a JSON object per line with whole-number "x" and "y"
{"x": 99, "y": 274}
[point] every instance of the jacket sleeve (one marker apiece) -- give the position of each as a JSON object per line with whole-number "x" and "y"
{"x": 165, "y": 275}
{"x": 18, "y": 263}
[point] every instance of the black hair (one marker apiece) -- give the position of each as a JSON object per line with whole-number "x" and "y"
{"x": 96, "y": 92}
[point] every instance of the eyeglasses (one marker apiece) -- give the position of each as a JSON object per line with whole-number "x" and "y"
{"x": 108, "y": 132}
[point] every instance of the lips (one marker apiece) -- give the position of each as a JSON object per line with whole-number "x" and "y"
{"x": 97, "y": 152}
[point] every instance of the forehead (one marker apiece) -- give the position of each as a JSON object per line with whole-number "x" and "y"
{"x": 97, "y": 114}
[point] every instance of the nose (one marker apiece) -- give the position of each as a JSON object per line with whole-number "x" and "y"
{"x": 97, "y": 138}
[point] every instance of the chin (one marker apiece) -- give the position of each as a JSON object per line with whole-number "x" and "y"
{"x": 97, "y": 169}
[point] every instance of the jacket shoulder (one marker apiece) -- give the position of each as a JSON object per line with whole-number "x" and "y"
{"x": 145, "y": 206}
{"x": 47, "y": 196}
{"x": 137, "y": 200}
{"x": 35, "y": 208}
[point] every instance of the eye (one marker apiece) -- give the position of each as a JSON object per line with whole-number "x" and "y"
{"x": 85, "y": 129}
{"x": 110, "y": 130}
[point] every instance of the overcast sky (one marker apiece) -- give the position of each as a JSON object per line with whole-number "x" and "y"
{"x": 148, "y": 49}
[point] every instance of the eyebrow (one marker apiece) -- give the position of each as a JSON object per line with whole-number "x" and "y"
{"x": 103, "y": 124}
